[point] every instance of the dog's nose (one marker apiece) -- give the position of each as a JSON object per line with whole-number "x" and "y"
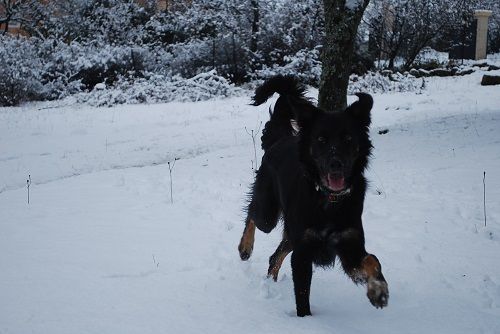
{"x": 335, "y": 164}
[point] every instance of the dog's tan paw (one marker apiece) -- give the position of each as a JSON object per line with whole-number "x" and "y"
{"x": 245, "y": 251}
{"x": 378, "y": 292}
{"x": 245, "y": 247}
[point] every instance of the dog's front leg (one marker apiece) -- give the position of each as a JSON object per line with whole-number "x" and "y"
{"x": 362, "y": 267}
{"x": 371, "y": 273}
{"x": 302, "y": 274}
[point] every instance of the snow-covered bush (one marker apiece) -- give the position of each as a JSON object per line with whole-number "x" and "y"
{"x": 287, "y": 27}
{"x": 93, "y": 63}
{"x": 159, "y": 88}
{"x": 191, "y": 58}
{"x": 20, "y": 72}
{"x": 36, "y": 69}
{"x": 115, "y": 22}
{"x": 375, "y": 82}
{"x": 305, "y": 64}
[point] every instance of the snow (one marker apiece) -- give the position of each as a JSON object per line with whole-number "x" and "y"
{"x": 101, "y": 249}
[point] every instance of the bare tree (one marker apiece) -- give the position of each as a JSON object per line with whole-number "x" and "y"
{"x": 8, "y": 11}
{"x": 28, "y": 13}
{"x": 428, "y": 18}
{"x": 403, "y": 28}
{"x": 388, "y": 33}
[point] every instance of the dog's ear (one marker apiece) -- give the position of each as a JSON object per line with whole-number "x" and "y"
{"x": 303, "y": 111}
{"x": 361, "y": 109}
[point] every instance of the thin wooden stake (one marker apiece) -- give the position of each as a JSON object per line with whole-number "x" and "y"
{"x": 484, "y": 197}
{"x": 28, "y": 184}
{"x": 170, "y": 169}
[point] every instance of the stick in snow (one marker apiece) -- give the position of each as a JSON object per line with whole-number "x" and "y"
{"x": 253, "y": 134}
{"x": 170, "y": 169}
{"x": 484, "y": 197}
{"x": 28, "y": 184}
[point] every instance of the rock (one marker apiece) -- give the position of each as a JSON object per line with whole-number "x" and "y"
{"x": 415, "y": 73}
{"x": 465, "y": 71}
{"x": 423, "y": 73}
{"x": 490, "y": 80}
{"x": 483, "y": 64}
{"x": 441, "y": 72}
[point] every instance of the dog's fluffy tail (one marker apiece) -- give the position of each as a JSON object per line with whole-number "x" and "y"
{"x": 279, "y": 124}
{"x": 281, "y": 84}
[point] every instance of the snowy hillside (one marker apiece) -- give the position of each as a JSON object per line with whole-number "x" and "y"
{"x": 101, "y": 248}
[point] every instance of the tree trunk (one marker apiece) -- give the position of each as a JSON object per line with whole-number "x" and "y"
{"x": 255, "y": 25}
{"x": 341, "y": 26}
{"x": 392, "y": 57}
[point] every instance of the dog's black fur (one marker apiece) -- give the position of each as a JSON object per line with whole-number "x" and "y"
{"x": 313, "y": 178}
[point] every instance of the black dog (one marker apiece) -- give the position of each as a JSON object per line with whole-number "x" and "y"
{"x": 312, "y": 177}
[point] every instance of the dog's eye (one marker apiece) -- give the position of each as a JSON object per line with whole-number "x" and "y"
{"x": 321, "y": 139}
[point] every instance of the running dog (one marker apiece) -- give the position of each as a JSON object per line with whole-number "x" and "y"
{"x": 312, "y": 176}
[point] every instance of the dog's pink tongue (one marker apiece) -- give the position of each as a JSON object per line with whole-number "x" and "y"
{"x": 336, "y": 182}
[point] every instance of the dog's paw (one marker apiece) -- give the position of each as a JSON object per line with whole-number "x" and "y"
{"x": 272, "y": 274}
{"x": 247, "y": 239}
{"x": 378, "y": 292}
{"x": 245, "y": 252}
{"x": 303, "y": 313}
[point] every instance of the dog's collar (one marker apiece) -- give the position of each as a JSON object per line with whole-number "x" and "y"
{"x": 333, "y": 197}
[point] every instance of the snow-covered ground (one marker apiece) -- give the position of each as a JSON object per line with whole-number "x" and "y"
{"x": 101, "y": 248}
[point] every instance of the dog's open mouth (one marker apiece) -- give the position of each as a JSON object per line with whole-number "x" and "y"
{"x": 335, "y": 181}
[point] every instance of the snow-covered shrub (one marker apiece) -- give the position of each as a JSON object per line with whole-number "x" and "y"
{"x": 59, "y": 73}
{"x": 191, "y": 58}
{"x": 287, "y": 27}
{"x": 305, "y": 64}
{"x": 105, "y": 63}
{"x": 36, "y": 69}
{"x": 200, "y": 20}
{"x": 202, "y": 87}
{"x": 20, "y": 72}
{"x": 375, "y": 82}
{"x": 206, "y": 35}
{"x": 115, "y": 22}
{"x": 157, "y": 59}
{"x": 159, "y": 88}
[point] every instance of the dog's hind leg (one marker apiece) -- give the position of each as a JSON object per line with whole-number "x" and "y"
{"x": 276, "y": 260}
{"x": 263, "y": 211}
{"x": 247, "y": 239}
